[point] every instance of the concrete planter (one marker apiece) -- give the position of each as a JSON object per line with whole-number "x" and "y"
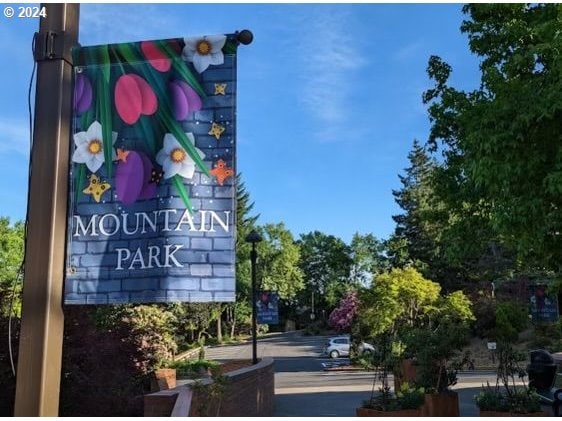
{"x": 368, "y": 412}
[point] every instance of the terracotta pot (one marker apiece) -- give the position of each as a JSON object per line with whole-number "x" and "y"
{"x": 441, "y": 405}
{"x": 408, "y": 373}
{"x": 163, "y": 379}
{"x": 368, "y": 412}
{"x": 510, "y": 414}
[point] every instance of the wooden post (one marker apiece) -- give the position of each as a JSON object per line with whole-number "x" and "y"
{"x": 40, "y": 349}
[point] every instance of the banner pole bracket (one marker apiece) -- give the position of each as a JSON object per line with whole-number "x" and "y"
{"x": 51, "y": 45}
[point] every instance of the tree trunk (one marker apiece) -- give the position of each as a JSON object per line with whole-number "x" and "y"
{"x": 233, "y": 326}
{"x": 219, "y": 327}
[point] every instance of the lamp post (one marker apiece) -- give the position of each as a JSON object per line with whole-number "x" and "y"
{"x": 254, "y": 237}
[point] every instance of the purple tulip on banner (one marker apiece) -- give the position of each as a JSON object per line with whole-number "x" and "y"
{"x": 148, "y": 190}
{"x": 129, "y": 178}
{"x": 184, "y": 99}
{"x": 82, "y": 93}
{"x": 132, "y": 178}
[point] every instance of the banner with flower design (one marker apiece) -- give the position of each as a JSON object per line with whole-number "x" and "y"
{"x": 152, "y": 195}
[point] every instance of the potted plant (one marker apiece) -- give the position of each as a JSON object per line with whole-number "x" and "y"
{"x": 507, "y": 398}
{"x": 438, "y": 362}
{"x": 405, "y": 402}
{"x": 492, "y": 402}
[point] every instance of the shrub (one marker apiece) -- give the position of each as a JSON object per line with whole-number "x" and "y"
{"x": 342, "y": 316}
{"x": 511, "y": 319}
{"x": 485, "y": 313}
{"x": 192, "y": 368}
{"x": 102, "y": 370}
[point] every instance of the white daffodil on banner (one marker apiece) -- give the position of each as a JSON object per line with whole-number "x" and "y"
{"x": 89, "y": 147}
{"x": 174, "y": 159}
{"x": 204, "y": 51}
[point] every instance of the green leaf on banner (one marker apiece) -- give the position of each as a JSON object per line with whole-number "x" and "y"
{"x": 79, "y": 178}
{"x": 147, "y": 133}
{"x": 88, "y": 118}
{"x": 178, "y": 183}
{"x": 106, "y": 123}
{"x": 105, "y": 62}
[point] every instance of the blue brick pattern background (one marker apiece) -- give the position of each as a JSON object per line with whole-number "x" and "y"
{"x": 208, "y": 258}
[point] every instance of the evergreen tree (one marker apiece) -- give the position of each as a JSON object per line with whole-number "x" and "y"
{"x": 413, "y": 226}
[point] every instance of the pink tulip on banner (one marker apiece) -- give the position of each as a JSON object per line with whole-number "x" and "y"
{"x": 134, "y": 97}
{"x": 155, "y": 56}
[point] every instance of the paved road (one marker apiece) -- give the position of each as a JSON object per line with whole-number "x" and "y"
{"x": 302, "y": 389}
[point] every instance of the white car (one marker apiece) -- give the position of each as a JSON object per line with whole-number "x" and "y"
{"x": 338, "y": 346}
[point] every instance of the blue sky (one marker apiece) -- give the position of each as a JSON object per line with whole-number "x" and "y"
{"x": 329, "y": 99}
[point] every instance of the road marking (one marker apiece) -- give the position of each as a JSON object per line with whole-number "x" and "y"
{"x": 316, "y": 389}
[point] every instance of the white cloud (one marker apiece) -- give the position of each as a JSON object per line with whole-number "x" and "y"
{"x": 112, "y": 23}
{"x": 409, "y": 51}
{"x": 328, "y": 54}
{"x": 14, "y": 137}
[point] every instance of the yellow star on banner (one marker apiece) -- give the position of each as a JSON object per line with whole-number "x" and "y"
{"x": 96, "y": 188}
{"x": 221, "y": 171}
{"x": 220, "y": 88}
{"x": 216, "y": 130}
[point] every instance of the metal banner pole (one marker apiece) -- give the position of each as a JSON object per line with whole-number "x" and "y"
{"x": 40, "y": 348}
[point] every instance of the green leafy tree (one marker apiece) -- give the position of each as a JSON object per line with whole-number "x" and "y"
{"x": 326, "y": 263}
{"x": 11, "y": 256}
{"x": 368, "y": 259}
{"x": 279, "y": 258}
{"x": 502, "y": 142}
{"x": 400, "y": 298}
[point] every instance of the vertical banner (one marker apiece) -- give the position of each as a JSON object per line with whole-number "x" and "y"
{"x": 543, "y": 307}
{"x": 267, "y": 304}
{"x": 152, "y": 192}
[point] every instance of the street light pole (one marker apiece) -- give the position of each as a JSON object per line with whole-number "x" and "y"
{"x": 254, "y": 237}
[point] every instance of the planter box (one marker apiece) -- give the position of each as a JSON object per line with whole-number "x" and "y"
{"x": 368, "y": 412}
{"x": 441, "y": 405}
{"x": 163, "y": 379}
{"x": 407, "y": 373}
{"x": 510, "y": 414}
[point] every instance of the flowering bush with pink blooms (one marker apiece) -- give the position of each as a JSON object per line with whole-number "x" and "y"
{"x": 342, "y": 317}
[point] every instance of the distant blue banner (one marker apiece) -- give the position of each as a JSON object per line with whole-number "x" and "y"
{"x": 543, "y": 307}
{"x": 267, "y": 304}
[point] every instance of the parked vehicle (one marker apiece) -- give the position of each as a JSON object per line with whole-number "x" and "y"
{"x": 338, "y": 346}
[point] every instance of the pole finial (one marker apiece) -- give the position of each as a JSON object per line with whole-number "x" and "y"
{"x": 244, "y": 36}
